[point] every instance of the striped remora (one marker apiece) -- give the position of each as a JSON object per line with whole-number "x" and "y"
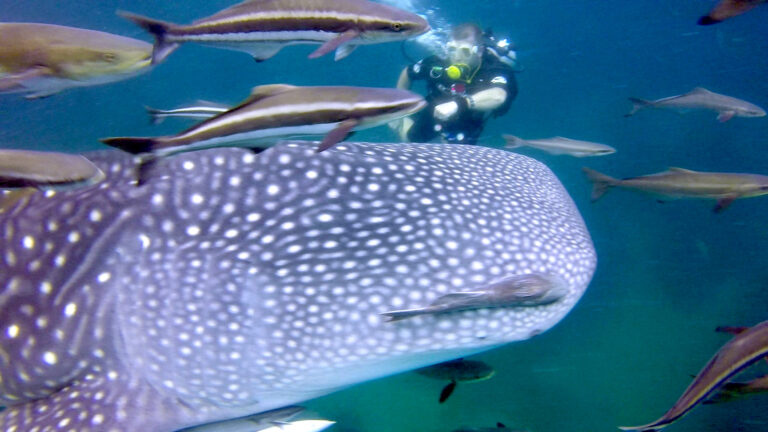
{"x": 263, "y": 27}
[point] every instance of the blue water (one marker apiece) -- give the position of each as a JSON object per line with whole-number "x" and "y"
{"x": 668, "y": 274}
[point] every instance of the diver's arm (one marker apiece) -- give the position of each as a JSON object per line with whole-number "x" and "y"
{"x": 484, "y": 100}
{"x": 404, "y": 82}
{"x": 487, "y": 100}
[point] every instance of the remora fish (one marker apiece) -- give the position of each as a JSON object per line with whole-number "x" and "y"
{"x": 251, "y": 423}
{"x": 44, "y": 59}
{"x": 734, "y": 390}
{"x": 241, "y": 282}
{"x": 201, "y": 111}
{"x": 456, "y": 371}
{"x": 560, "y": 145}
{"x": 514, "y": 291}
{"x": 728, "y": 8}
{"x": 736, "y": 355}
{"x": 263, "y": 27}
{"x": 682, "y": 183}
{"x": 727, "y": 107}
{"x": 25, "y": 168}
{"x": 279, "y": 110}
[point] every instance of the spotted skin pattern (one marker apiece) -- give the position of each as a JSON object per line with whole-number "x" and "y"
{"x": 233, "y": 283}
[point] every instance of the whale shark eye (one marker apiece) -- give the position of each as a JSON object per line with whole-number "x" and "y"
{"x": 397, "y": 26}
{"x": 109, "y": 57}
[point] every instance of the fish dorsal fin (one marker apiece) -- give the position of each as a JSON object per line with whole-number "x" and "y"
{"x": 268, "y": 90}
{"x": 680, "y": 170}
{"x": 262, "y": 92}
{"x": 699, "y": 90}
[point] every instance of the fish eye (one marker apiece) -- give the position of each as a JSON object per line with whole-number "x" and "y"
{"x": 109, "y": 57}
{"x": 397, "y": 26}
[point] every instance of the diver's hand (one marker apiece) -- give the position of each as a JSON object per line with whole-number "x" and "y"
{"x": 446, "y": 110}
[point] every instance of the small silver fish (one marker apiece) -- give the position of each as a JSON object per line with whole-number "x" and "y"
{"x": 44, "y": 59}
{"x": 728, "y": 8}
{"x": 25, "y": 168}
{"x": 726, "y": 107}
{"x": 560, "y": 145}
{"x": 514, "y": 291}
{"x": 262, "y": 28}
{"x": 200, "y": 111}
{"x": 682, "y": 183}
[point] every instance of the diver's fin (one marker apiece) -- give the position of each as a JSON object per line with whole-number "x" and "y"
{"x": 335, "y": 43}
{"x": 447, "y": 391}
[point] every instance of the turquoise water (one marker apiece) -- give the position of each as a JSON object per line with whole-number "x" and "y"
{"x": 668, "y": 274}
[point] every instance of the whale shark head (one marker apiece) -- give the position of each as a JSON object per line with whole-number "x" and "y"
{"x": 234, "y": 283}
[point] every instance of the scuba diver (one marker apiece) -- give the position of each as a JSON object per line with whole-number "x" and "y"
{"x": 476, "y": 81}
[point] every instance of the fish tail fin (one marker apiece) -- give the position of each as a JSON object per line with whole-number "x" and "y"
{"x": 512, "y": 141}
{"x": 144, "y": 168}
{"x": 131, "y": 145}
{"x": 708, "y": 20}
{"x": 637, "y": 105}
{"x": 155, "y": 115}
{"x": 158, "y": 29}
{"x": 600, "y": 182}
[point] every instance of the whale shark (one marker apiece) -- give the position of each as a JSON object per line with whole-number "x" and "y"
{"x": 233, "y": 283}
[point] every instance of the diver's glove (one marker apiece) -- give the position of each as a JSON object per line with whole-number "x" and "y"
{"x": 446, "y": 110}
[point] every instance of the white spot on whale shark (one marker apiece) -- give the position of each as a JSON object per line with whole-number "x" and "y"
{"x": 195, "y": 298}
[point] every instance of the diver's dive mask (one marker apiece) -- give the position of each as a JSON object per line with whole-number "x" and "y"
{"x": 461, "y": 52}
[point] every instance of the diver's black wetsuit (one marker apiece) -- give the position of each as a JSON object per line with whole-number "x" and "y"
{"x": 465, "y": 126}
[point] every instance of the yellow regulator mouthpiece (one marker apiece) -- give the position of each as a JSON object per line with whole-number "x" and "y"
{"x": 453, "y": 72}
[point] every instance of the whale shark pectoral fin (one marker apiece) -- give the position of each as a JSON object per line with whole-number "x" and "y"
{"x": 335, "y": 43}
{"x": 724, "y": 116}
{"x": 96, "y": 403}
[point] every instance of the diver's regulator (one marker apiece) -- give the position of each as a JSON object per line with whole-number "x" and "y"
{"x": 501, "y": 49}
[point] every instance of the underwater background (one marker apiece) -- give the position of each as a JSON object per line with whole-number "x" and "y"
{"x": 667, "y": 274}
